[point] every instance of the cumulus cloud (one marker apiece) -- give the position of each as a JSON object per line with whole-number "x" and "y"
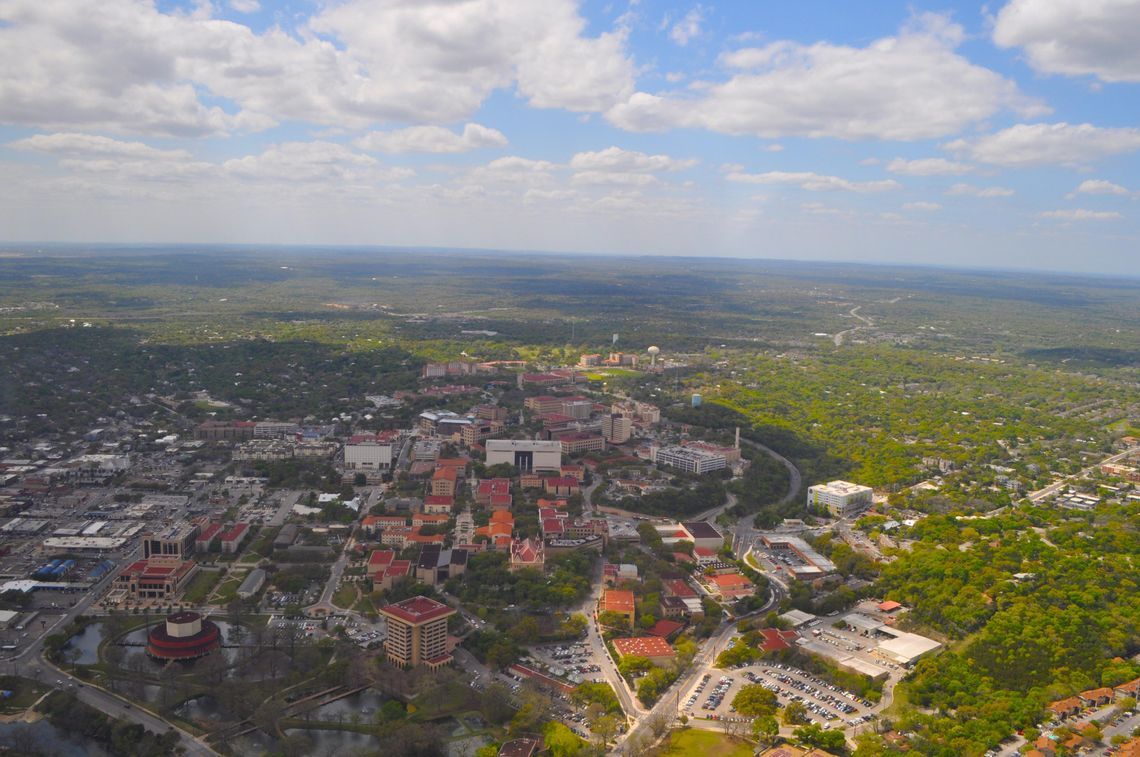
{"x": 1098, "y": 38}
{"x": 814, "y": 182}
{"x": 631, "y": 161}
{"x": 969, "y": 190}
{"x": 688, "y": 27}
{"x": 1100, "y": 187}
{"x": 94, "y": 146}
{"x": 1080, "y": 214}
{"x": 312, "y": 161}
{"x": 927, "y": 206}
{"x": 928, "y": 167}
{"x": 1048, "y": 144}
{"x": 128, "y": 67}
{"x": 907, "y": 87}
{"x": 434, "y": 139}
{"x": 245, "y": 6}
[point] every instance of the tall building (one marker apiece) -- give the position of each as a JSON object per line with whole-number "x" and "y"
{"x": 417, "y": 632}
{"x": 689, "y": 459}
{"x": 367, "y": 455}
{"x": 174, "y": 544}
{"x": 616, "y": 428}
{"x": 839, "y": 498}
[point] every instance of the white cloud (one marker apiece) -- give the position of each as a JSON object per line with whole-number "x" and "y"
{"x": 432, "y": 139}
{"x": 814, "y": 182}
{"x": 774, "y": 147}
{"x": 1100, "y": 38}
{"x": 617, "y": 159}
{"x": 312, "y": 161}
{"x": 613, "y": 178}
{"x": 927, "y": 206}
{"x": 128, "y": 67}
{"x": 1080, "y": 214}
{"x": 1100, "y": 187}
{"x": 1048, "y": 144}
{"x": 245, "y": 6}
{"x": 928, "y": 167}
{"x": 970, "y": 190}
{"x": 688, "y": 27}
{"x": 907, "y": 87}
{"x": 94, "y": 146}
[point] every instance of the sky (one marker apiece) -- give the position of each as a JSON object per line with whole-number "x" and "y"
{"x": 956, "y": 133}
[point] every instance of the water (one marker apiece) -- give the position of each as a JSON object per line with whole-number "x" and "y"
{"x": 337, "y": 743}
{"x": 87, "y": 643}
{"x": 44, "y": 738}
{"x": 364, "y": 704}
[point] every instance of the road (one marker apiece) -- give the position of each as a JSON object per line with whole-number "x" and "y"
{"x": 335, "y": 573}
{"x": 1056, "y": 486}
{"x": 598, "y": 648}
{"x": 854, "y": 313}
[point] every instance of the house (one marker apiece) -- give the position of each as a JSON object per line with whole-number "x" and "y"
{"x": 655, "y": 649}
{"x": 1099, "y": 696}
{"x": 1065, "y": 708}
{"x": 1129, "y": 689}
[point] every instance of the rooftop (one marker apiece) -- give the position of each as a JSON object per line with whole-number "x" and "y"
{"x": 418, "y": 610}
{"x": 644, "y": 646}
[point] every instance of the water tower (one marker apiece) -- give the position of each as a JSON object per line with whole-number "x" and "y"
{"x": 653, "y": 352}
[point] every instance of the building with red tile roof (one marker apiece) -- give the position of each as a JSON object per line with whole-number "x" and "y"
{"x": 776, "y": 640}
{"x": 232, "y": 539}
{"x": 438, "y": 504}
{"x": 619, "y": 601}
{"x": 665, "y": 628}
{"x": 657, "y": 650}
{"x": 443, "y": 482}
{"x": 206, "y": 538}
{"x": 527, "y": 553}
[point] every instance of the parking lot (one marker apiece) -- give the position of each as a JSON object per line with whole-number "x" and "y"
{"x": 573, "y": 661}
{"x": 826, "y": 703}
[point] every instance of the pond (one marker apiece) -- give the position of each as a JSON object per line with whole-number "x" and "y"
{"x": 87, "y": 642}
{"x": 335, "y": 743}
{"x": 364, "y": 705}
{"x": 42, "y": 737}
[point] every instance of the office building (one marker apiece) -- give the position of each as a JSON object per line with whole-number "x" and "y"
{"x": 528, "y": 455}
{"x": 839, "y": 498}
{"x": 417, "y": 632}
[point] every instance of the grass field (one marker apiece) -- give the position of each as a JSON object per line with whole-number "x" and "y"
{"x": 690, "y": 741}
{"x": 201, "y": 586}
{"x": 345, "y": 595}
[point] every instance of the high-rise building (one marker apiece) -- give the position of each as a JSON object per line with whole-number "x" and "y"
{"x": 417, "y": 632}
{"x": 616, "y": 428}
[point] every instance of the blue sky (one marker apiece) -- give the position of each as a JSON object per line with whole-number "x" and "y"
{"x": 1001, "y": 135}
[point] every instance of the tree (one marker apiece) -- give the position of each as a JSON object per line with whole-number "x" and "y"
{"x": 765, "y": 729}
{"x": 605, "y": 728}
{"x": 560, "y": 740}
{"x": 755, "y": 701}
{"x": 817, "y": 736}
{"x": 795, "y": 713}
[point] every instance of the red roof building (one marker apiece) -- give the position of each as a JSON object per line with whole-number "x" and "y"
{"x": 656, "y": 649}
{"x": 209, "y": 534}
{"x": 438, "y": 504}
{"x": 232, "y": 539}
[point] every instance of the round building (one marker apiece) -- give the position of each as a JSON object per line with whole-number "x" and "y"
{"x": 184, "y": 636}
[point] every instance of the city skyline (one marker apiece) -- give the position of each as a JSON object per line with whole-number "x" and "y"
{"x": 943, "y": 134}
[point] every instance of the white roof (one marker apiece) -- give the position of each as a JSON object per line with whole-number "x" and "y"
{"x": 797, "y": 617}
{"x": 907, "y": 647}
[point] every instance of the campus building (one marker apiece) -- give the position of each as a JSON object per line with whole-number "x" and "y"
{"x": 840, "y": 498}
{"x": 689, "y": 459}
{"x": 417, "y": 633}
{"x": 528, "y": 455}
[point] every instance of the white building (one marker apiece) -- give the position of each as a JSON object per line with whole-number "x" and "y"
{"x": 528, "y": 455}
{"x": 367, "y": 457}
{"x": 839, "y": 498}
{"x": 689, "y": 459}
{"x": 616, "y": 428}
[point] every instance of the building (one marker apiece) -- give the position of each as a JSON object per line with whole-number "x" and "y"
{"x": 543, "y": 404}
{"x": 367, "y": 456}
{"x": 577, "y": 442}
{"x": 490, "y": 487}
{"x": 232, "y": 539}
{"x": 527, "y": 553}
{"x": 208, "y": 537}
{"x": 480, "y": 430}
{"x": 220, "y": 431}
{"x": 689, "y": 459}
{"x": 840, "y": 499}
{"x": 154, "y": 579}
{"x": 654, "y": 648}
{"x": 703, "y": 535}
{"x": 438, "y": 504}
{"x": 252, "y": 584}
{"x": 617, "y": 428}
{"x": 176, "y": 543}
{"x": 184, "y": 636}
{"x": 443, "y": 482}
{"x": 619, "y": 601}
{"x": 814, "y": 565}
{"x": 492, "y": 413}
{"x": 578, "y": 408}
{"x": 528, "y": 455}
{"x": 417, "y": 633}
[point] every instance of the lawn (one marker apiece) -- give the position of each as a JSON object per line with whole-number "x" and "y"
{"x": 201, "y": 586}
{"x": 690, "y": 741}
{"x": 345, "y": 595}
{"x": 227, "y": 591}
